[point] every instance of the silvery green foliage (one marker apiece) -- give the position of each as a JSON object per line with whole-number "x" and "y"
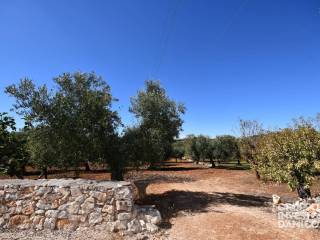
{"x": 70, "y": 124}
{"x": 13, "y": 154}
{"x": 159, "y": 120}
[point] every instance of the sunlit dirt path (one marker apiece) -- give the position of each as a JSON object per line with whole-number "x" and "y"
{"x": 220, "y": 204}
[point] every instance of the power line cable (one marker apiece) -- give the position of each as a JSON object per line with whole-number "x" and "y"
{"x": 167, "y": 31}
{"x": 231, "y": 21}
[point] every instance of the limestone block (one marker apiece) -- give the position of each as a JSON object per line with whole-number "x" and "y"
{"x": 49, "y": 223}
{"x": 63, "y": 224}
{"x": 95, "y": 218}
{"x": 51, "y": 213}
{"x": 16, "y": 220}
{"x": 151, "y": 228}
{"x": 124, "y": 206}
{"x": 62, "y": 215}
{"x": 88, "y": 205}
{"x": 75, "y": 191}
{"x": 29, "y": 209}
{"x": 99, "y": 196}
{"x": 124, "y": 216}
{"x": 134, "y": 226}
{"x": 122, "y": 193}
{"x": 120, "y": 225}
{"x": 108, "y": 209}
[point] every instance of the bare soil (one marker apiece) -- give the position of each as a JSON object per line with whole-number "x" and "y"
{"x": 221, "y": 204}
{"x": 226, "y": 202}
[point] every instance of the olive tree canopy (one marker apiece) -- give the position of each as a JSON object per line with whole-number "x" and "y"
{"x": 159, "y": 120}
{"x": 72, "y": 123}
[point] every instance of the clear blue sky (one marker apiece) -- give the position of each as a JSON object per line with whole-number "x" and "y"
{"x": 224, "y": 59}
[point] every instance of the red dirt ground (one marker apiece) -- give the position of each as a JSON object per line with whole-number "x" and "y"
{"x": 220, "y": 204}
{"x": 197, "y": 202}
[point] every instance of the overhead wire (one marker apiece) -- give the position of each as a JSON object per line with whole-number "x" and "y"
{"x": 231, "y": 21}
{"x": 166, "y": 33}
{"x": 169, "y": 27}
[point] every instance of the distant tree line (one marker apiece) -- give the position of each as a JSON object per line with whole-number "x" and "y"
{"x": 290, "y": 155}
{"x": 74, "y": 124}
{"x": 202, "y": 148}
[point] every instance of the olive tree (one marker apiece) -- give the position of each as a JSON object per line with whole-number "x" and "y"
{"x": 159, "y": 120}
{"x": 211, "y": 151}
{"x": 7, "y": 124}
{"x": 178, "y": 150}
{"x": 133, "y": 147}
{"x": 201, "y": 148}
{"x": 13, "y": 154}
{"x": 226, "y": 148}
{"x": 203, "y": 145}
{"x": 43, "y": 146}
{"x": 194, "y": 149}
{"x": 72, "y": 124}
{"x": 290, "y": 155}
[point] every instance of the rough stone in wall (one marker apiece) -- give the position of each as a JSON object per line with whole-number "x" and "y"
{"x": 70, "y": 204}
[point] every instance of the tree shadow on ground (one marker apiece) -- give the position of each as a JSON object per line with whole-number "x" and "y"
{"x": 173, "y": 202}
{"x": 157, "y": 178}
{"x": 177, "y": 169}
{"x": 233, "y": 167}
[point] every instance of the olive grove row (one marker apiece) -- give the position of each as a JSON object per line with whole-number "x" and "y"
{"x": 290, "y": 155}
{"x": 74, "y": 124}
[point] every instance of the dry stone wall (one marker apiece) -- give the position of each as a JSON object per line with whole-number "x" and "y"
{"x": 71, "y": 204}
